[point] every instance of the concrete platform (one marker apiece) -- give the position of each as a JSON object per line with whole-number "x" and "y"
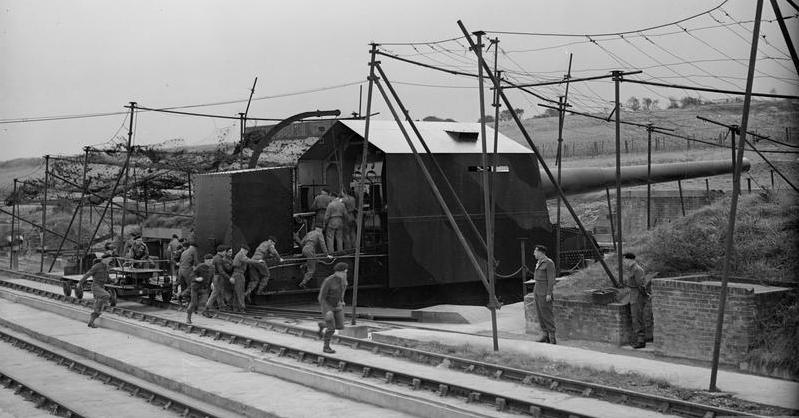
{"x": 564, "y": 401}
{"x": 752, "y": 388}
{"x": 240, "y": 391}
{"x": 13, "y": 406}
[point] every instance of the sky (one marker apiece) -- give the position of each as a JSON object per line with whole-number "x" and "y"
{"x": 81, "y": 57}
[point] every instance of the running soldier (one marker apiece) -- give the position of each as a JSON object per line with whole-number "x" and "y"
{"x": 331, "y": 302}
{"x": 201, "y": 284}
{"x": 99, "y": 275}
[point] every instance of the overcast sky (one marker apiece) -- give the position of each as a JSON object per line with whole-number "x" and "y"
{"x": 83, "y": 57}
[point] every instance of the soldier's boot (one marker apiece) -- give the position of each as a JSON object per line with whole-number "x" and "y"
{"x": 92, "y": 317}
{"x": 552, "y": 339}
{"x": 544, "y": 338}
{"x": 188, "y": 318}
{"x": 321, "y": 330}
{"x": 328, "y": 335}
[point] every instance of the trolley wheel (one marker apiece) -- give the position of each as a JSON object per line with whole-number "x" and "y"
{"x": 78, "y": 292}
{"x": 166, "y": 296}
{"x": 113, "y": 299}
{"x": 67, "y": 288}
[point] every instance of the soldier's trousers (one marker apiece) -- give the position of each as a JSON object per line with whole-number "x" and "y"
{"x": 199, "y": 297}
{"x": 185, "y": 277}
{"x": 544, "y": 311}
{"x": 217, "y": 294}
{"x": 259, "y": 278}
{"x": 639, "y": 326}
{"x": 310, "y": 265}
{"x": 101, "y": 298}
{"x": 334, "y": 234}
{"x": 238, "y": 290}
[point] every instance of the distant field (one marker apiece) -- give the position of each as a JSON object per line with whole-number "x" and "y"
{"x": 584, "y": 136}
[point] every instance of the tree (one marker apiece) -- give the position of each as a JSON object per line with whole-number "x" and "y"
{"x": 633, "y": 104}
{"x": 646, "y": 102}
{"x": 690, "y": 101}
{"x": 505, "y": 115}
{"x": 655, "y": 105}
{"x": 488, "y": 119}
{"x": 519, "y": 112}
{"x": 673, "y": 103}
{"x": 437, "y": 119}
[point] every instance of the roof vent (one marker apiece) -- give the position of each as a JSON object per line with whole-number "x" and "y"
{"x": 463, "y": 136}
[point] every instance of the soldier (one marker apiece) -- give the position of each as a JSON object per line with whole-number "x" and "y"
{"x": 138, "y": 251}
{"x": 319, "y": 205}
{"x": 99, "y": 275}
{"x": 173, "y": 250}
{"x": 335, "y": 215}
{"x": 188, "y": 260}
{"x": 259, "y": 272}
{"x": 203, "y": 275}
{"x": 331, "y": 302}
{"x": 221, "y": 276}
{"x": 312, "y": 240}
{"x": 544, "y": 276}
{"x": 634, "y": 275}
{"x": 350, "y": 227}
{"x": 240, "y": 263}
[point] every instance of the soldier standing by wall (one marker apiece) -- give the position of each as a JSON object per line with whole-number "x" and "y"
{"x": 350, "y": 227}
{"x": 544, "y": 276}
{"x": 259, "y": 272}
{"x": 335, "y": 215}
{"x": 331, "y": 302}
{"x": 99, "y": 275}
{"x": 634, "y": 282}
{"x": 312, "y": 240}
{"x": 201, "y": 284}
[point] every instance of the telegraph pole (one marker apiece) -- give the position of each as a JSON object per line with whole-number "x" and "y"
{"x": 617, "y": 111}
{"x": 558, "y": 159}
{"x": 125, "y": 184}
{"x": 44, "y": 209}
{"x": 13, "y": 232}
{"x": 492, "y": 299}
{"x": 736, "y": 190}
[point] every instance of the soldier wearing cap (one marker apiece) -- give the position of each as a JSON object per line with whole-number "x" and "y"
{"x": 331, "y": 302}
{"x": 202, "y": 275}
{"x": 240, "y": 263}
{"x": 312, "y": 241}
{"x": 259, "y": 272}
{"x": 634, "y": 282}
{"x": 99, "y": 274}
{"x": 544, "y": 276}
{"x": 221, "y": 277}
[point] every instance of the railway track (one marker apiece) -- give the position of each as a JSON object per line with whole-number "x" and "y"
{"x": 525, "y": 377}
{"x": 75, "y": 379}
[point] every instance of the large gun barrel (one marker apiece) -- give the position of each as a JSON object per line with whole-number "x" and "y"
{"x": 584, "y": 180}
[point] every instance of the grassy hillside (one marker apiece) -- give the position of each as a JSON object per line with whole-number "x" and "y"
{"x": 769, "y": 118}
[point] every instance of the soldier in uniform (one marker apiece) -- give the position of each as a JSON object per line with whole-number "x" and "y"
{"x": 544, "y": 276}
{"x": 221, "y": 276}
{"x": 350, "y": 227}
{"x": 200, "y": 285}
{"x": 331, "y": 302}
{"x": 634, "y": 282}
{"x": 259, "y": 272}
{"x": 240, "y": 263}
{"x": 335, "y": 216}
{"x": 99, "y": 275}
{"x": 138, "y": 251}
{"x": 188, "y": 260}
{"x": 319, "y": 205}
{"x": 312, "y": 240}
{"x": 173, "y": 250}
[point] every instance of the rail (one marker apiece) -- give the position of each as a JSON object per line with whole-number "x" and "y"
{"x": 526, "y": 377}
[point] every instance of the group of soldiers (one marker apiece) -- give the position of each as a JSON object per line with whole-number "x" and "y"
{"x": 335, "y": 214}
{"x": 226, "y": 281}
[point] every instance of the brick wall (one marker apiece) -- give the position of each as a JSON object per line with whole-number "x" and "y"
{"x": 584, "y": 320}
{"x": 686, "y": 309}
{"x": 665, "y": 207}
